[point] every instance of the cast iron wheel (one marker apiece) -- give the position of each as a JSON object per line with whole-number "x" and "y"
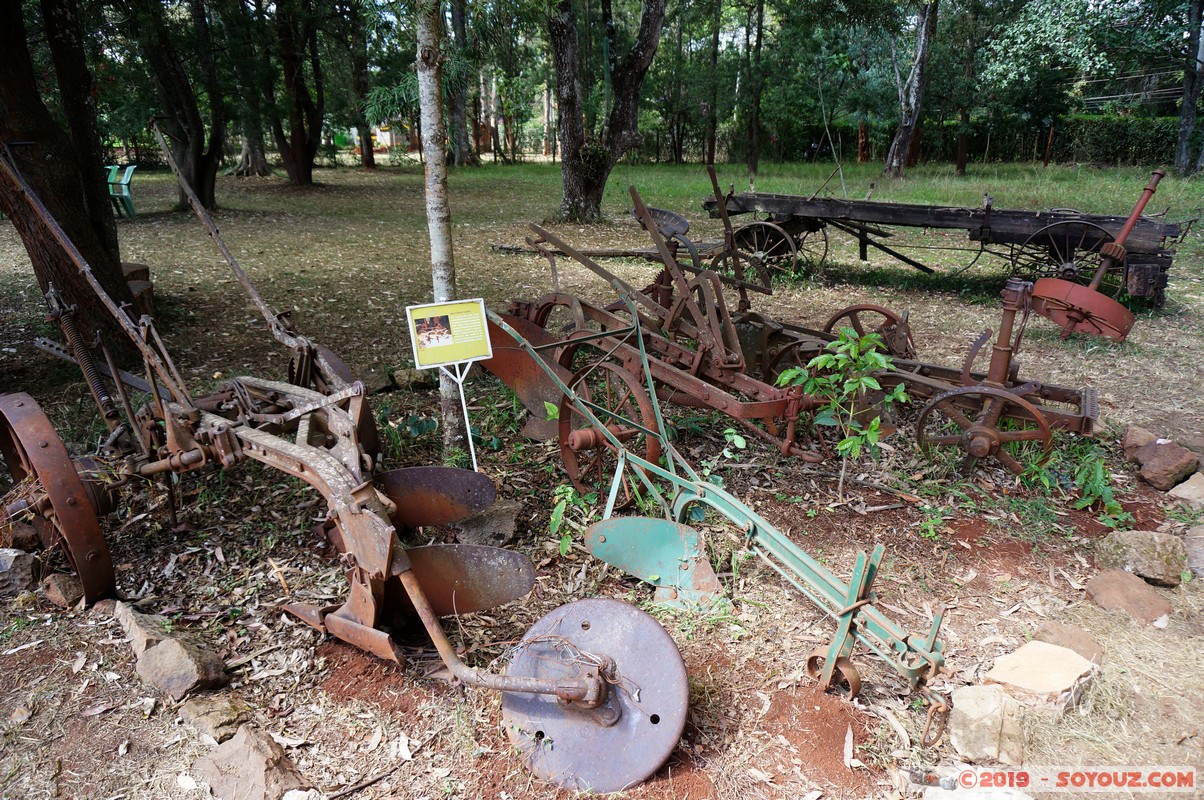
{"x": 46, "y": 483}
{"x": 588, "y": 457}
{"x": 1070, "y": 251}
{"x": 985, "y": 422}
{"x": 868, "y": 318}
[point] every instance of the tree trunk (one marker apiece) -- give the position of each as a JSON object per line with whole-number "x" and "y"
{"x": 911, "y": 94}
{"x": 249, "y": 45}
{"x": 180, "y": 113}
{"x": 358, "y": 47}
{"x": 462, "y": 147}
{"x": 754, "y": 115}
{"x": 1193, "y": 77}
{"x": 713, "y": 104}
{"x": 53, "y": 166}
{"x": 863, "y": 141}
{"x": 438, "y": 213}
{"x": 586, "y": 161}
{"x": 297, "y": 35}
{"x": 963, "y": 141}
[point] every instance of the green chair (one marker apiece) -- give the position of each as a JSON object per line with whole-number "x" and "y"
{"x": 119, "y": 191}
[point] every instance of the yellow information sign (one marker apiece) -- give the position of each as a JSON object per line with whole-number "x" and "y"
{"x": 448, "y": 333}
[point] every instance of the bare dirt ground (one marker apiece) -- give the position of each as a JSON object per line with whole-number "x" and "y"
{"x": 347, "y": 256}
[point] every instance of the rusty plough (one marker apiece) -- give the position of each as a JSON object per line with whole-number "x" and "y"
{"x": 594, "y": 696}
{"x": 701, "y": 354}
{"x": 673, "y": 557}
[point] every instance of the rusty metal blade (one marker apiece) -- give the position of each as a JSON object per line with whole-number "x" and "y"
{"x": 435, "y": 495}
{"x": 1080, "y": 309}
{"x": 375, "y": 641}
{"x": 670, "y": 556}
{"x": 578, "y": 749}
{"x": 463, "y": 578}
{"x": 524, "y": 376}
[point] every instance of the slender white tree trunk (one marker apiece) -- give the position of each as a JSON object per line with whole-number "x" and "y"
{"x": 438, "y": 212}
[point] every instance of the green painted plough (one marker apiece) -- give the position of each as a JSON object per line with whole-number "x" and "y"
{"x": 672, "y": 556}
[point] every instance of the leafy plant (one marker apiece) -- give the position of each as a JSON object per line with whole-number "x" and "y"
{"x": 569, "y": 503}
{"x": 843, "y": 377}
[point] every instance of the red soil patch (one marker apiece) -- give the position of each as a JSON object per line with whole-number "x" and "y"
{"x": 816, "y": 724}
{"x": 356, "y": 675}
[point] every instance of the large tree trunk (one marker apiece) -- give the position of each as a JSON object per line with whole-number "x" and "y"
{"x": 586, "y": 161}
{"x": 181, "y": 115}
{"x": 438, "y": 213}
{"x": 911, "y": 94}
{"x": 59, "y": 170}
{"x": 297, "y": 35}
{"x": 1193, "y": 77}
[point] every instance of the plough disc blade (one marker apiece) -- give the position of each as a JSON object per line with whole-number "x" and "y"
{"x": 524, "y": 376}
{"x": 627, "y": 738}
{"x": 435, "y": 495}
{"x": 670, "y": 556}
{"x": 463, "y": 578}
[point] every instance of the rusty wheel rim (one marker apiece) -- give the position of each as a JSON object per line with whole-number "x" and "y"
{"x": 866, "y": 318}
{"x": 845, "y": 677}
{"x": 585, "y": 750}
{"x": 767, "y": 245}
{"x": 64, "y": 511}
{"x": 589, "y": 458}
{"x": 982, "y": 421}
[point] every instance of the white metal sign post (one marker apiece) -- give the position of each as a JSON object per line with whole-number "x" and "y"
{"x": 451, "y": 336}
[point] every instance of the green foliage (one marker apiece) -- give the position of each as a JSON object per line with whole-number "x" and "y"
{"x": 843, "y": 377}
{"x": 568, "y": 504}
{"x": 1078, "y": 467}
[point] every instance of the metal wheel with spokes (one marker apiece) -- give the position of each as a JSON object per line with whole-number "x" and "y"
{"x": 985, "y": 422}
{"x": 1068, "y": 250}
{"x": 589, "y": 458}
{"x": 869, "y": 318}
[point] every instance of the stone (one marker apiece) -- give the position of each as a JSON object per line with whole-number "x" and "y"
{"x": 16, "y": 572}
{"x": 496, "y": 526}
{"x": 22, "y": 536}
{"x": 249, "y": 766}
{"x": 218, "y": 716}
{"x": 405, "y": 378}
{"x": 1190, "y": 492}
{"x": 143, "y": 630}
{"x": 176, "y": 667}
{"x": 985, "y": 725}
{"x": 1117, "y": 590}
{"x": 1195, "y": 443}
{"x": 1043, "y": 672}
{"x": 1072, "y": 637}
{"x": 1159, "y": 558}
{"x": 1134, "y": 439}
{"x": 1165, "y": 464}
{"x": 65, "y": 591}
{"x": 1193, "y": 543}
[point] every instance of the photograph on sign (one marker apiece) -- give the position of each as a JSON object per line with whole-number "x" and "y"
{"x": 448, "y": 333}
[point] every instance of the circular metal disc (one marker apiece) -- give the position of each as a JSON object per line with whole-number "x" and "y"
{"x": 572, "y": 747}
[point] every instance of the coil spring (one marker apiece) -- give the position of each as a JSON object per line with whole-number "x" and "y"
{"x": 83, "y": 357}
